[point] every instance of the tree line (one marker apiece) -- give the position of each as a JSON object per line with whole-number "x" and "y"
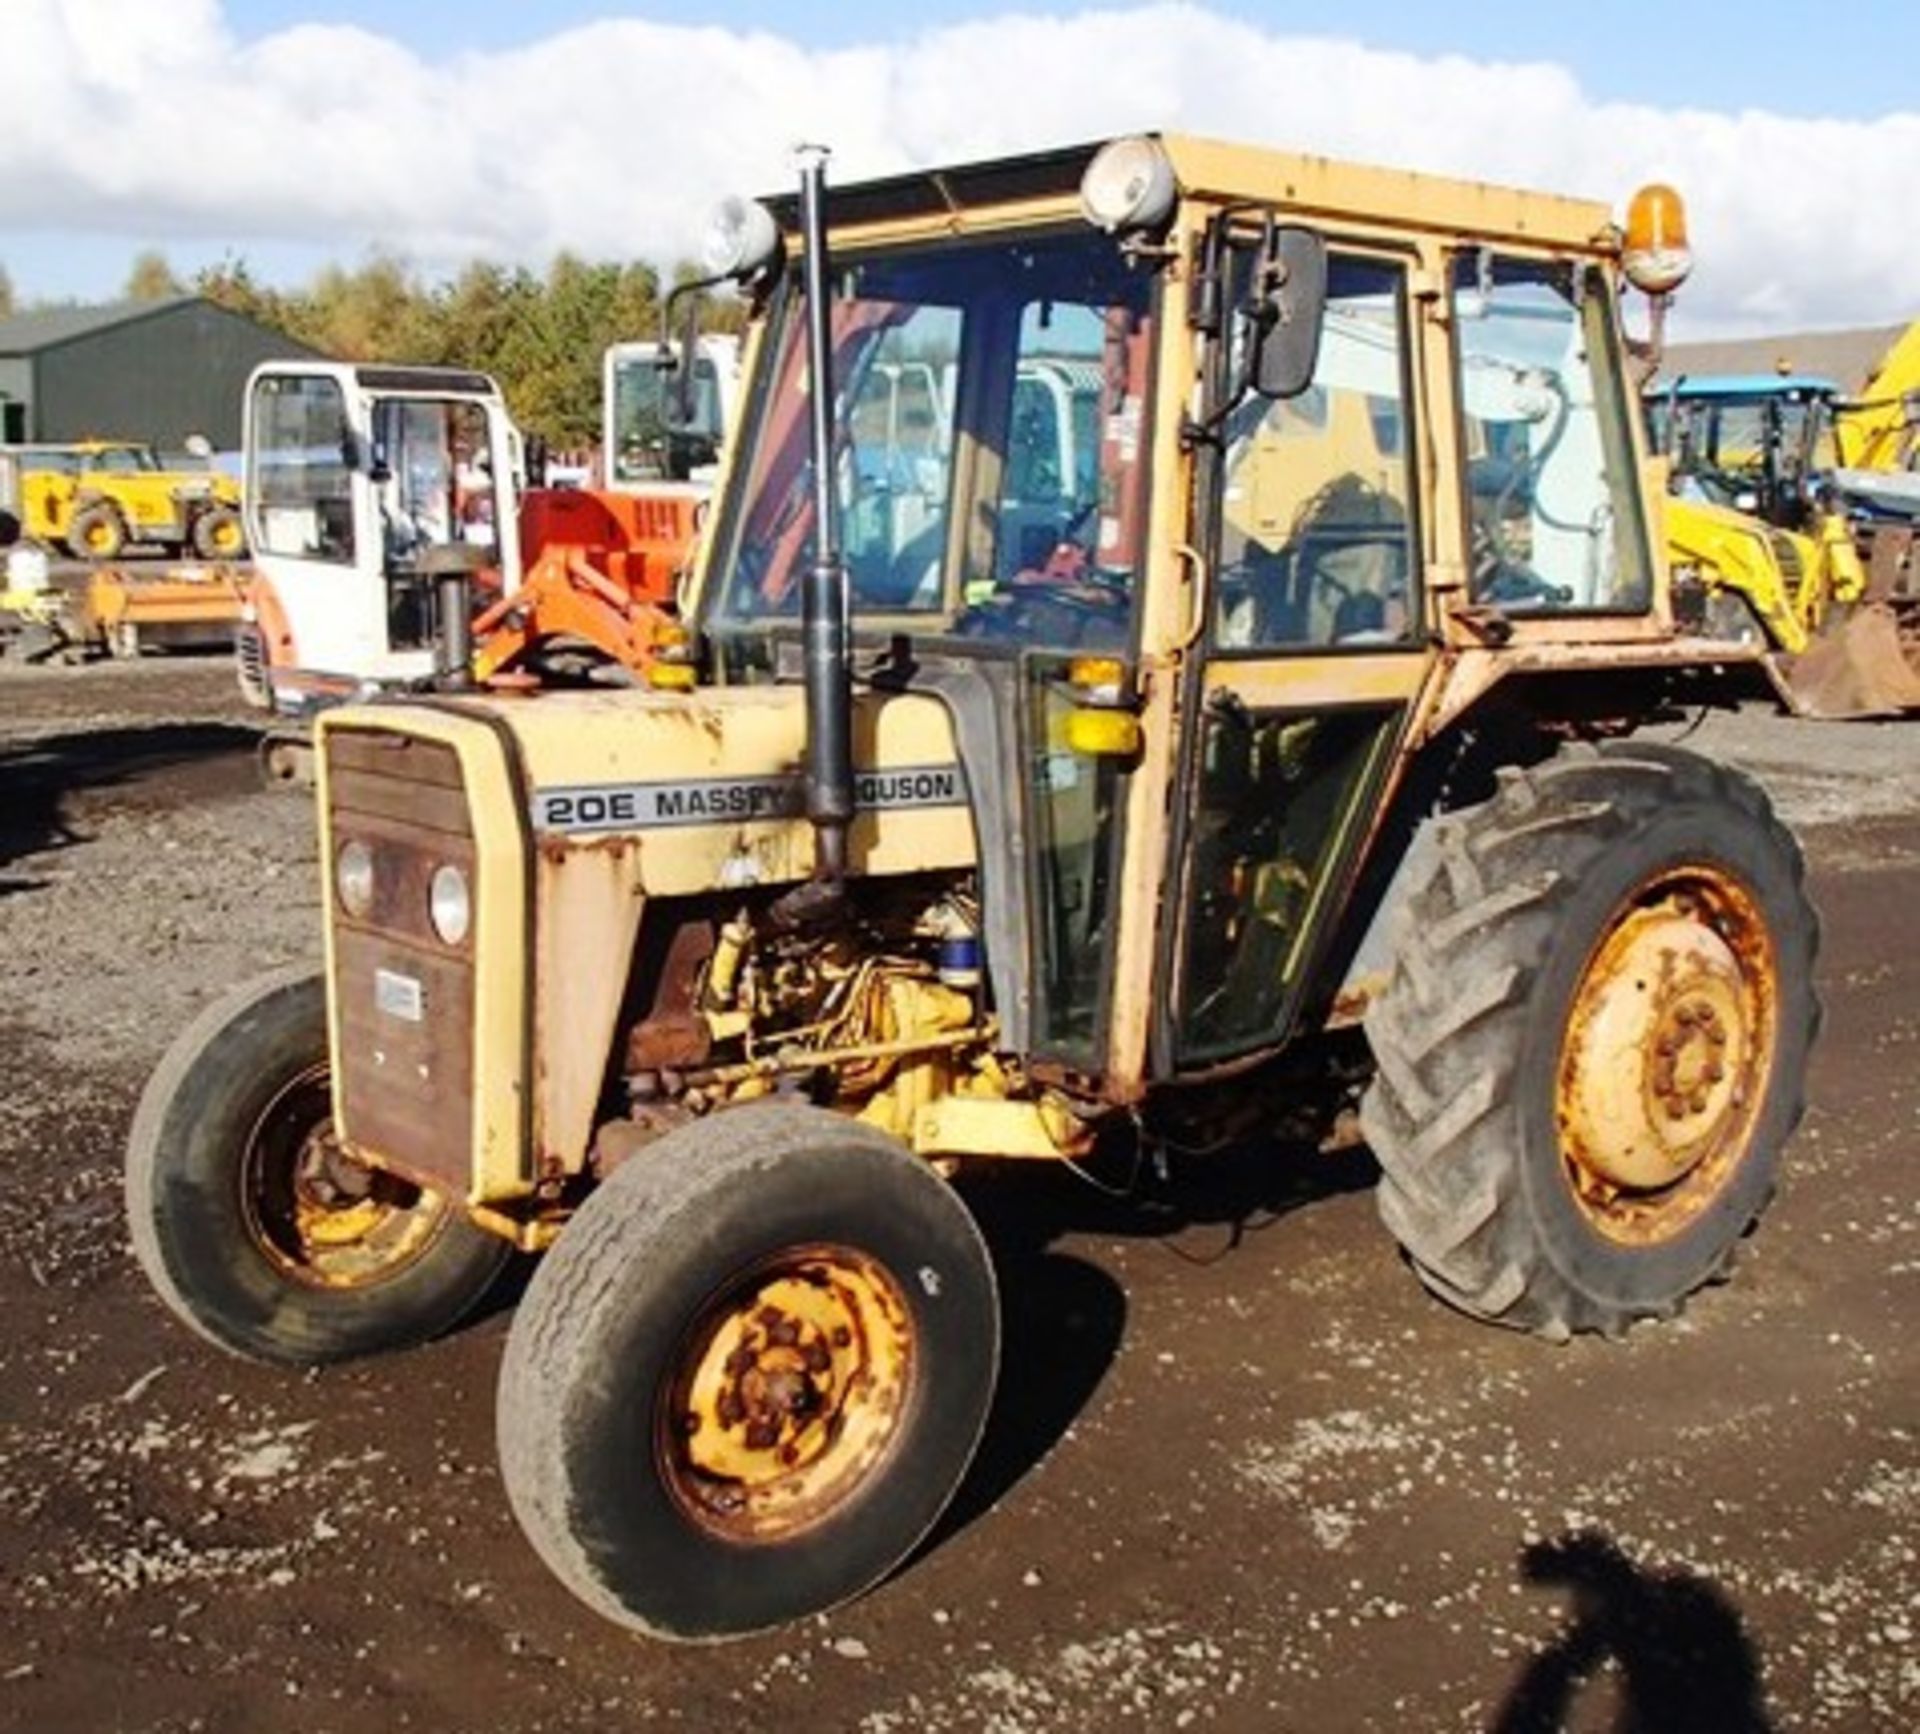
{"x": 541, "y": 335}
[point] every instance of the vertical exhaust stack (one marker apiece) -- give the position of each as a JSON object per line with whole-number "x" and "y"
{"x": 451, "y": 567}
{"x": 824, "y": 606}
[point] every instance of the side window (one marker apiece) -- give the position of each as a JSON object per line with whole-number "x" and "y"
{"x": 1553, "y": 490}
{"x": 1317, "y": 543}
{"x": 298, "y": 484}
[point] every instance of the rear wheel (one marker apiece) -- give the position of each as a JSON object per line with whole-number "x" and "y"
{"x": 252, "y": 1223}
{"x": 1593, "y": 1046}
{"x": 97, "y": 532}
{"x": 217, "y": 534}
{"x": 749, "y": 1375}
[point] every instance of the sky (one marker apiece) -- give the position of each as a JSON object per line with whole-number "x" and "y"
{"x": 290, "y": 133}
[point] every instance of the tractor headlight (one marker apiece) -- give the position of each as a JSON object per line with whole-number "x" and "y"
{"x": 1129, "y": 185}
{"x": 353, "y": 878}
{"x": 742, "y": 238}
{"x": 450, "y": 904}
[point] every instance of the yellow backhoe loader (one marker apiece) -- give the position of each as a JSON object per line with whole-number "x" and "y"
{"x": 1774, "y": 538}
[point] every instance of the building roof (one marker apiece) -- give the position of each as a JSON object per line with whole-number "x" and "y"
{"x": 49, "y": 327}
{"x": 1847, "y": 357}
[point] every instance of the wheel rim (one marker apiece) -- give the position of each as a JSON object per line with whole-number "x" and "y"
{"x": 224, "y": 536}
{"x": 1665, "y": 1060}
{"x": 787, "y": 1395}
{"x": 320, "y": 1218}
{"x": 99, "y": 538}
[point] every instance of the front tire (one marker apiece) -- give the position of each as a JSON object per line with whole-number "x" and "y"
{"x": 1594, "y": 1042}
{"x": 749, "y": 1375}
{"x": 254, "y": 1228}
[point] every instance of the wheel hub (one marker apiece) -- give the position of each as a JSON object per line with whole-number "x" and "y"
{"x": 1663, "y": 1064}
{"x": 323, "y": 1219}
{"x": 790, "y": 1393}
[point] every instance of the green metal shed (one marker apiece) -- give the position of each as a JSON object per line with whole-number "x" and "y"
{"x": 157, "y": 371}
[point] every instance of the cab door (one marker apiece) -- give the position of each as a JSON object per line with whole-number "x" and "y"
{"x": 1309, "y": 513}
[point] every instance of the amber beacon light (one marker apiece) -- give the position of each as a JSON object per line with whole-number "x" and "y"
{"x": 1656, "y": 255}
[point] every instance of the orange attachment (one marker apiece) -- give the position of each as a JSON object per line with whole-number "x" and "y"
{"x": 600, "y": 567}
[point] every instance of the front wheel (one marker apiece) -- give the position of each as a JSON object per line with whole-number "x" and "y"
{"x": 1594, "y": 1043}
{"x": 252, "y": 1223}
{"x": 749, "y": 1375}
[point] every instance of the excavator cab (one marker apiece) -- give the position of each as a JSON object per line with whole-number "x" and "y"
{"x": 364, "y": 486}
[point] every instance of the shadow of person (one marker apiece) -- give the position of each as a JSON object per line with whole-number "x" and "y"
{"x": 1685, "y": 1663}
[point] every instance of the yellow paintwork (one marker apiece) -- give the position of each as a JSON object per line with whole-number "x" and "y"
{"x": 1880, "y": 434}
{"x": 1743, "y": 554}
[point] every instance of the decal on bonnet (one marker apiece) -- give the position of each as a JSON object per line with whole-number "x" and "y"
{"x": 729, "y": 800}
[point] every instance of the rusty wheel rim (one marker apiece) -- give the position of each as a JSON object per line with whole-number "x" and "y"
{"x": 320, "y": 1218}
{"x": 787, "y": 1395}
{"x": 1666, "y": 1055}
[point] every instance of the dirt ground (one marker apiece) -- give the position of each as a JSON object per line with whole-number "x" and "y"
{"x": 1243, "y": 1472}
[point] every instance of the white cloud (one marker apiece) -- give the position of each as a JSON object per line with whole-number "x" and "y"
{"x": 152, "y": 118}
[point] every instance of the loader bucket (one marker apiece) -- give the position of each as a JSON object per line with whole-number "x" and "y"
{"x": 1856, "y": 667}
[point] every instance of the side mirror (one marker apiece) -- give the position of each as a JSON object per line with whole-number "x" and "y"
{"x": 1289, "y": 308}
{"x": 197, "y": 445}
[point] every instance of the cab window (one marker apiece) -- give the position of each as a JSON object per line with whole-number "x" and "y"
{"x": 1552, "y": 485}
{"x": 1316, "y": 531}
{"x": 299, "y": 485}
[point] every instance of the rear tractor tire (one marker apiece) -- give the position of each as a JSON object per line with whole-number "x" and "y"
{"x": 1593, "y": 1046}
{"x": 253, "y": 1225}
{"x": 749, "y": 1375}
{"x": 97, "y": 532}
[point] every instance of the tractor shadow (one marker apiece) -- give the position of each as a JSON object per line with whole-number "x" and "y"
{"x": 158, "y": 764}
{"x": 1672, "y": 1646}
{"x": 1063, "y": 1318}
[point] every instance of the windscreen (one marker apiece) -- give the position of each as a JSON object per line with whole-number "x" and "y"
{"x": 988, "y": 429}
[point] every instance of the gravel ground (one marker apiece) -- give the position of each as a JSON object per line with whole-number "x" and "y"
{"x": 1243, "y": 1473}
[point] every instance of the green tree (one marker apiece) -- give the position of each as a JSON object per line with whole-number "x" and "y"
{"x": 376, "y": 313}
{"x": 7, "y": 305}
{"x": 230, "y": 284}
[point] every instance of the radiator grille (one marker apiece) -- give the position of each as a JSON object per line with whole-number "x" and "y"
{"x": 405, "y": 999}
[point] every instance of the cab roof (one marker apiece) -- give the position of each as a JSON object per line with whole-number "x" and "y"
{"x": 1755, "y": 385}
{"x": 1312, "y": 186}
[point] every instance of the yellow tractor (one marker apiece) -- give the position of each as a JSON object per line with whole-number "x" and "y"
{"x": 98, "y": 498}
{"x": 1324, "y": 708}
